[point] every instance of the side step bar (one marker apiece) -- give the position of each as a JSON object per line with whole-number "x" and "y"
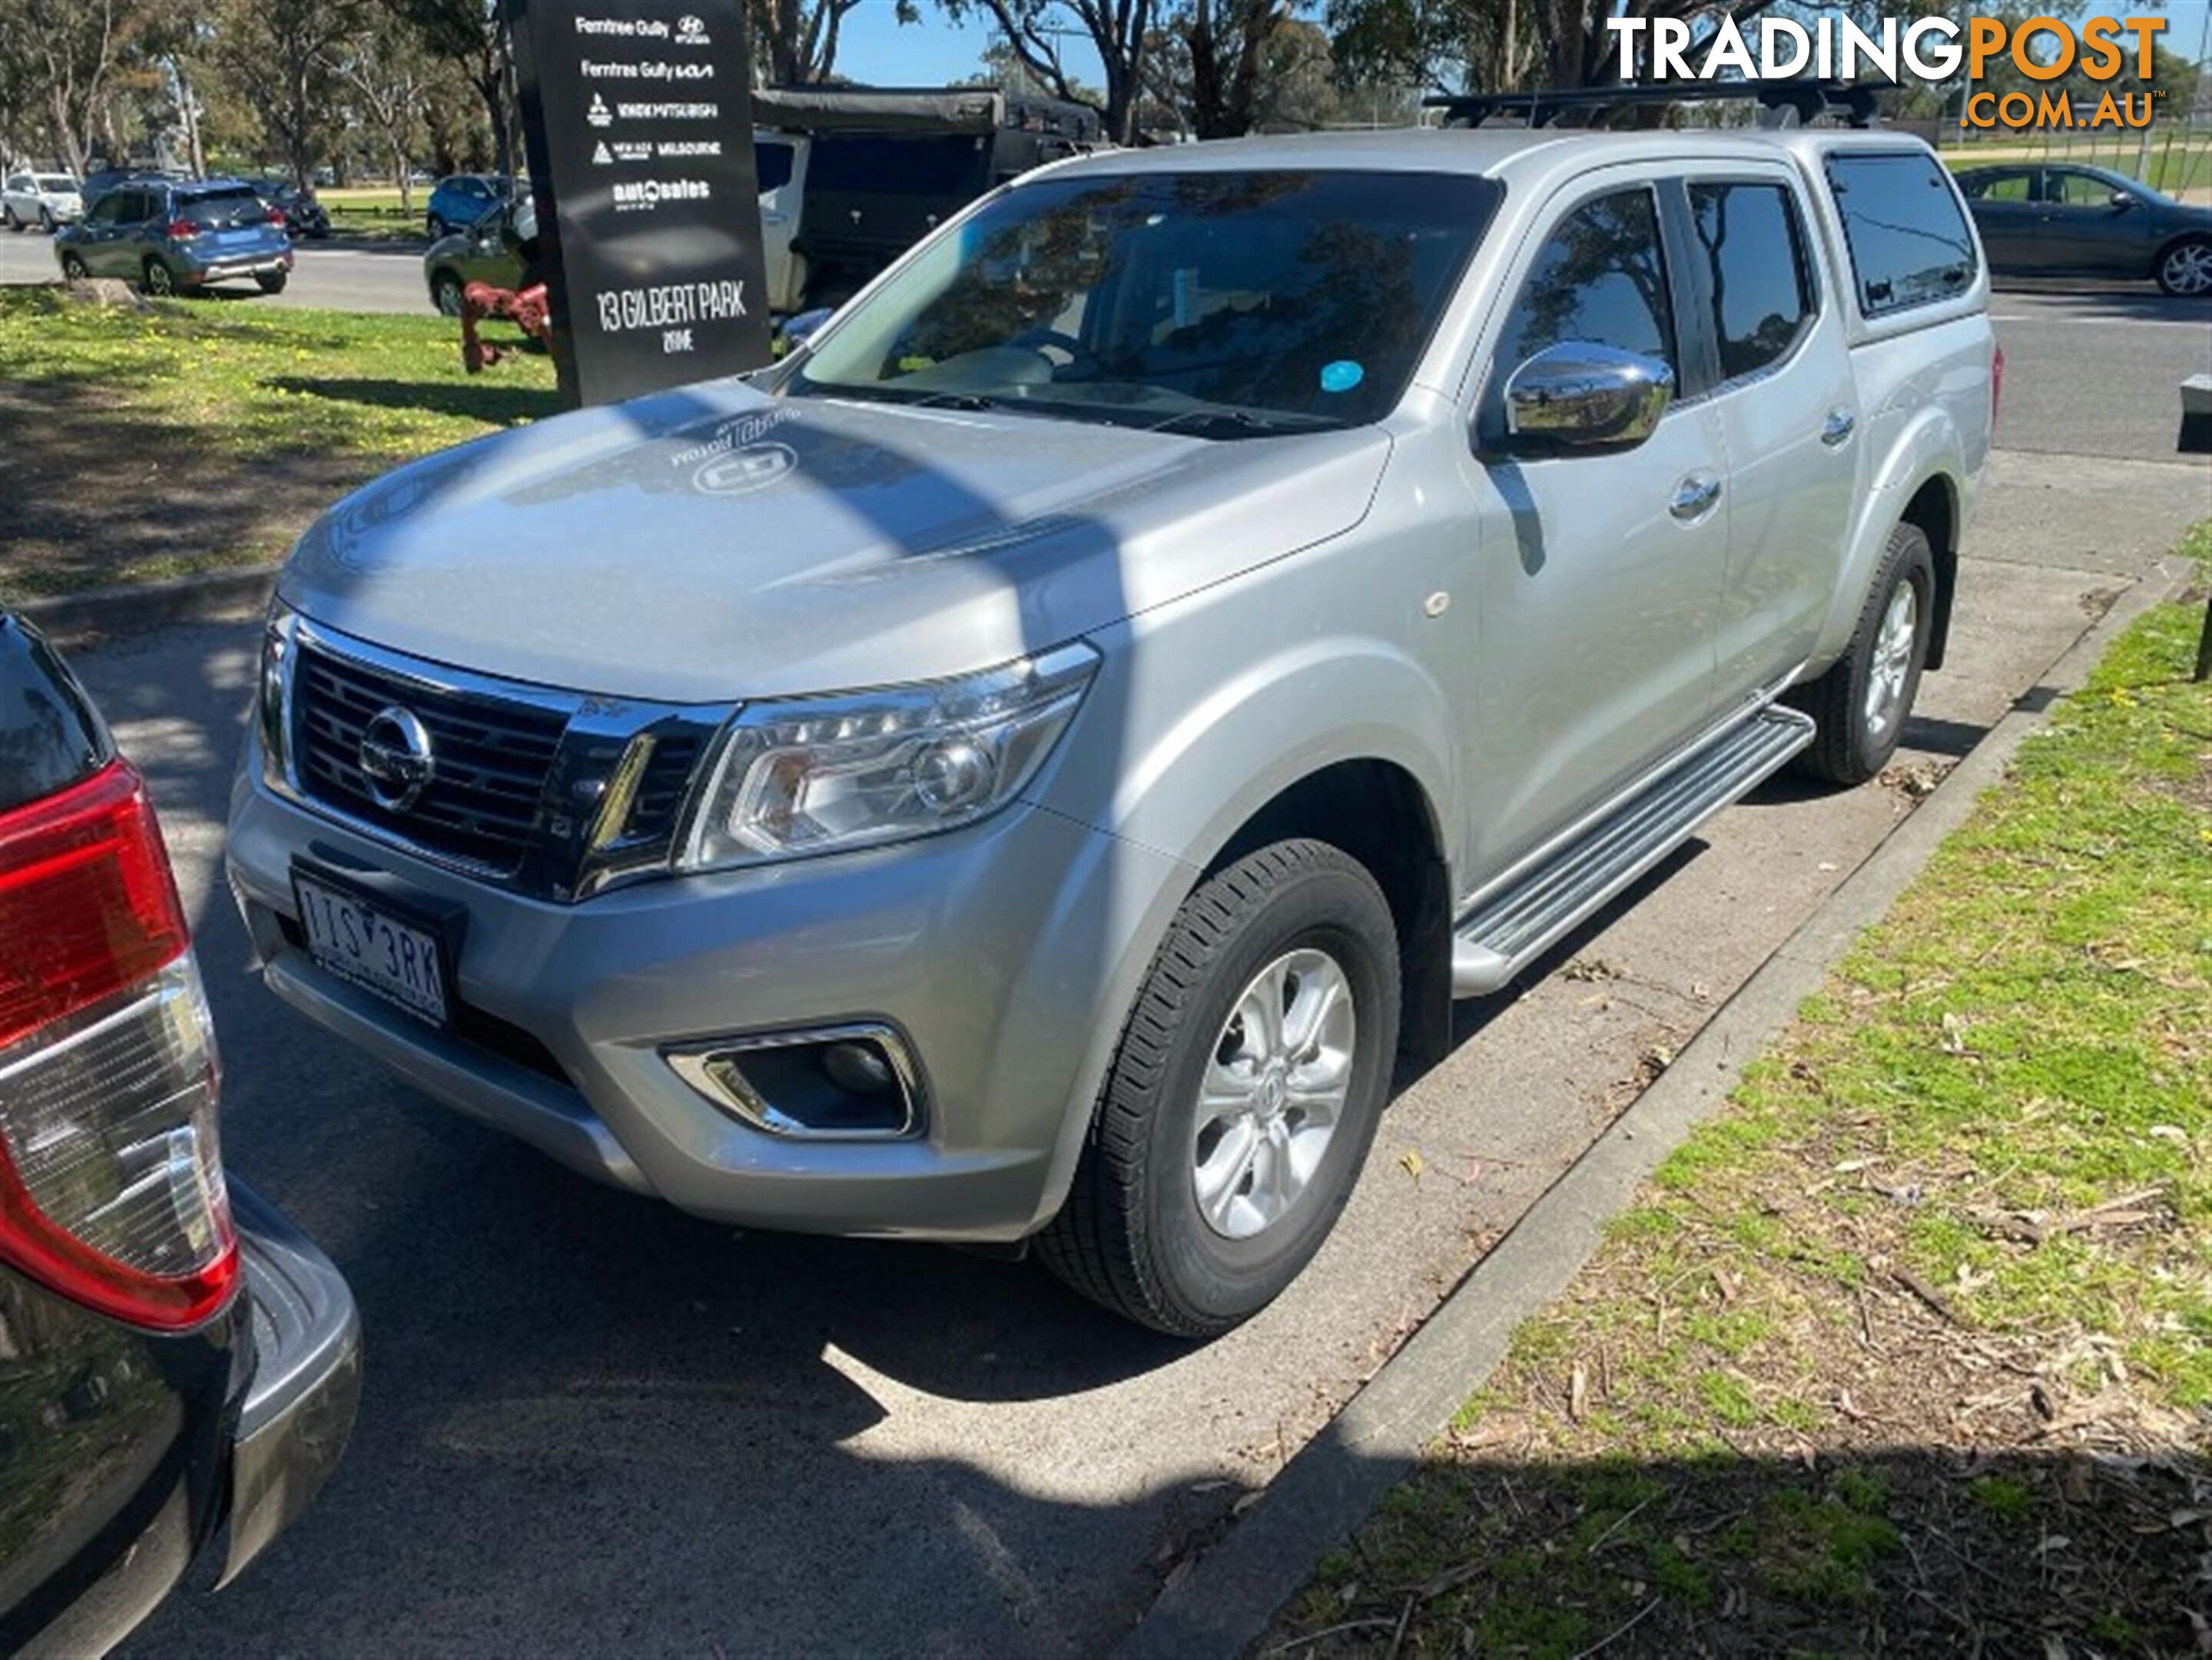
{"x": 1509, "y": 928}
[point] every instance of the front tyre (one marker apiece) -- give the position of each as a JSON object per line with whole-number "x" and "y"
{"x": 1243, "y": 1097}
{"x": 1861, "y": 704}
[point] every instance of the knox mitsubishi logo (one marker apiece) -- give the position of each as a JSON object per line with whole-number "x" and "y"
{"x": 2114, "y": 54}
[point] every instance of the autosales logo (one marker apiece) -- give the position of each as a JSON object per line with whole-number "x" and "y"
{"x": 1940, "y": 51}
{"x": 646, "y": 194}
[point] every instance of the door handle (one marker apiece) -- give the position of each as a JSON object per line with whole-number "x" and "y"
{"x": 1839, "y": 426}
{"x": 1694, "y": 495}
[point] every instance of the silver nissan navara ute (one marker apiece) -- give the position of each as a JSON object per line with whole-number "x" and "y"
{"x": 1025, "y": 766}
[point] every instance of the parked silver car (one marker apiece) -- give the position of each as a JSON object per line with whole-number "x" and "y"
{"x": 1026, "y": 767}
{"x": 48, "y": 200}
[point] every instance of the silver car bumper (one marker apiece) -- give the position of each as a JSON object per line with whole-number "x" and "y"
{"x": 1004, "y": 955}
{"x": 300, "y": 1405}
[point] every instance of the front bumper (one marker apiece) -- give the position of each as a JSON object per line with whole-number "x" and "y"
{"x": 1004, "y": 955}
{"x": 300, "y": 1405}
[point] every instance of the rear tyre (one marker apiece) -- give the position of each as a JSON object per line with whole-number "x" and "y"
{"x": 158, "y": 279}
{"x": 8, "y": 217}
{"x": 272, "y": 281}
{"x": 435, "y": 226}
{"x": 445, "y": 294}
{"x": 74, "y": 270}
{"x": 1861, "y": 704}
{"x": 1243, "y": 1097}
{"x": 2185, "y": 270}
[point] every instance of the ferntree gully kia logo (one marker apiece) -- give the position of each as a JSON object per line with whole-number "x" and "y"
{"x": 1942, "y": 52}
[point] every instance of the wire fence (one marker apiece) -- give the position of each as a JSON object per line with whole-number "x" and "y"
{"x": 2173, "y": 156}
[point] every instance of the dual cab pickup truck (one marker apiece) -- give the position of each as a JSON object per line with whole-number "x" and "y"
{"x": 1027, "y": 766}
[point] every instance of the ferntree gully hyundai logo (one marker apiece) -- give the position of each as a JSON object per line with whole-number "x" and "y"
{"x": 396, "y": 758}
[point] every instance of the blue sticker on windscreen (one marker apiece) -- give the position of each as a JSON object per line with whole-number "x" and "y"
{"x": 1342, "y": 375}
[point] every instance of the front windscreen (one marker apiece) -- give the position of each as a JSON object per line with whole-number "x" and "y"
{"x": 1228, "y": 304}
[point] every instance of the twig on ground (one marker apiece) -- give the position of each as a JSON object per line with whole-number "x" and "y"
{"x": 1313, "y": 1637}
{"x": 1619, "y": 1632}
{"x": 1926, "y": 1294}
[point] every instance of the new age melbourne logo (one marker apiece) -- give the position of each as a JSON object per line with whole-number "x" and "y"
{"x": 1935, "y": 50}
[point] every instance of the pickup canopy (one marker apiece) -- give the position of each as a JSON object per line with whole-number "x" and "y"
{"x": 959, "y": 110}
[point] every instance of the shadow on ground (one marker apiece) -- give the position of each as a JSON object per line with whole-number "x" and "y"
{"x": 485, "y": 400}
{"x": 1878, "y": 1549}
{"x": 101, "y": 494}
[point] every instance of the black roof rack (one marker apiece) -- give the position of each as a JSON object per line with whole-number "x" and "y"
{"x": 1811, "y": 99}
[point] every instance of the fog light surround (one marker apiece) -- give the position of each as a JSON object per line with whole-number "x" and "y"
{"x": 855, "y": 1082}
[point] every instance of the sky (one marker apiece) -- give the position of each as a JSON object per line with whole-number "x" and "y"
{"x": 880, "y": 52}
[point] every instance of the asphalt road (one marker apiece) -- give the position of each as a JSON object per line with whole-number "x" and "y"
{"x": 361, "y": 276}
{"x": 591, "y": 1423}
{"x": 2090, "y": 369}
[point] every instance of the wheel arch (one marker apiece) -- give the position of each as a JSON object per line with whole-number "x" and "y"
{"x": 2180, "y": 238}
{"x": 1933, "y": 509}
{"x": 1377, "y": 811}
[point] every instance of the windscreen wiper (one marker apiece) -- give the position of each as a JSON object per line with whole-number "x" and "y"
{"x": 1241, "y": 423}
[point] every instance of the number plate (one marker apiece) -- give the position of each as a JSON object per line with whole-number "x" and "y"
{"x": 374, "y": 945}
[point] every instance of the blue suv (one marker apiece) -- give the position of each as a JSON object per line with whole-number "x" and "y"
{"x": 170, "y": 236}
{"x": 463, "y": 199}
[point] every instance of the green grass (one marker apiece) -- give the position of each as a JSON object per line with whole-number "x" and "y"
{"x": 1833, "y": 1384}
{"x": 206, "y": 431}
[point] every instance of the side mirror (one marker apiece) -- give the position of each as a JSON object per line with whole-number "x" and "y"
{"x": 1581, "y": 395}
{"x": 2121, "y": 199}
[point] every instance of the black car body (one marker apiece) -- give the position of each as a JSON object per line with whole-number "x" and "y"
{"x": 2071, "y": 220}
{"x": 178, "y": 1367}
{"x": 303, "y": 212}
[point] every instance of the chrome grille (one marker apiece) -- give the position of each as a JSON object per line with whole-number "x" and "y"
{"x": 493, "y": 758}
{"x": 660, "y": 791}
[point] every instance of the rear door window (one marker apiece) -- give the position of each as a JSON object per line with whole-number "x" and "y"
{"x": 1759, "y": 282}
{"x": 2016, "y": 185}
{"x": 1909, "y": 241}
{"x": 1600, "y": 277}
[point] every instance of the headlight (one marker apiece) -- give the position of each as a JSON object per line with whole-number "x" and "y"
{"x": 823, "y": 775}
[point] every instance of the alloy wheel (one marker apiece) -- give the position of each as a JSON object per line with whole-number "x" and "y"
{"x": 1892, "y": 664}
{"x": 1273, "y": 1093}
{"x": 2187, "y": 269}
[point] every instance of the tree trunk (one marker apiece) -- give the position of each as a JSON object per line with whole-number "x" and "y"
{"x": 491, "y": 88}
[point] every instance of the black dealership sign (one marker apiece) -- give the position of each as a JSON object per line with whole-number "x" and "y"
{"x": 637, "y": 117}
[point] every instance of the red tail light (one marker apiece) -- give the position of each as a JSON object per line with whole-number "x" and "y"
{"x": 1996, "y": 386}
{"x": 276, "y": 218}
{"x": 111, "y": 1181}
{"x": 182, "y": 230}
